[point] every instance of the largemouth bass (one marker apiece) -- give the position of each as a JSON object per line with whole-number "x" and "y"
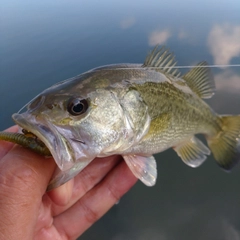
{"x": 135, "y": 110}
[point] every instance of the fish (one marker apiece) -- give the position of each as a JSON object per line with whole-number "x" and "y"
{"x": 133, "y": 110}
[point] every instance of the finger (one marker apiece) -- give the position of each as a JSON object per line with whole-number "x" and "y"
{"x": 83, "y": 182}
{"x": 7, "y": 146}
{"x": 61, "y": 196}
{"x": 95, "y": 203}
{"x": 60, "y": 199}
{"x": 24, "y": 176}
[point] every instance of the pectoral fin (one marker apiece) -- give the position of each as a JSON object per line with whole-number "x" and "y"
{"x": 192, "y": 151}
{"x": 144, "y": 168}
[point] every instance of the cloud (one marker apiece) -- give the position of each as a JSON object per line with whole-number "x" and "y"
{"x": 182, "y": 34}
{"x": 224, "y": 43}
{"x": 227, "y": 81}
{"x": 159, "y": 37}
{"x": 127, "y": 22}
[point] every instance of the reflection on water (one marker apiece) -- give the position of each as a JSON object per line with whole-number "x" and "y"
{"x": 228, "y": 81}
{"x": 159, "y": 37}
{"x": 127, "y": 22}
{"x": 224, "y": 43}
{"x": 45, "y": 42}
{"x": 226, "y": 231}
{"x": 222, "y": 40}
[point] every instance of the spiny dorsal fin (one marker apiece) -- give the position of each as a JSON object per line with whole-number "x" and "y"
{"x": 200, "y": 80}
{"x": 162, "y": 60}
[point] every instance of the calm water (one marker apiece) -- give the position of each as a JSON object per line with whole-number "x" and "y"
{"x": 43, "y": 42}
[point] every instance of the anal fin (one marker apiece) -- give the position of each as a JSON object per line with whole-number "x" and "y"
{"x": 192, "y": 151}
{"x": 144, "y": 168}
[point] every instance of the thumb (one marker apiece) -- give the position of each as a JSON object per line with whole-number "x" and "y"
{"x": 24, "y": 176}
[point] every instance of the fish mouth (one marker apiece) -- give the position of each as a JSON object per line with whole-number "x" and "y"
{"x": 46, "y": 132}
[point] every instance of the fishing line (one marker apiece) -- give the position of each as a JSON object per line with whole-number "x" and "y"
{"x": 139, "y": 65}
{"x": 124, "y": 66}
{"x": 204, "y": 66}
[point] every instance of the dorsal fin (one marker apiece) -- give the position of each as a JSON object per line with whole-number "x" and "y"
{"x": 200, "y": 80}
{"x": 162, "y": 60}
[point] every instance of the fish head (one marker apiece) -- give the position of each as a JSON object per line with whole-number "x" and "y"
{"x": 77, "y": 126}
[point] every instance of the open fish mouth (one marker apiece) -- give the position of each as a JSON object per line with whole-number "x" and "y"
{"x": 45, "y": 133}
{"x": 31, "y": 135}
{"x": 70, "y": 154}
{"x": 36, "y": 143}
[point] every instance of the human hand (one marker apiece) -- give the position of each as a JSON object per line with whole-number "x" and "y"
{"x": 28, "y": 212}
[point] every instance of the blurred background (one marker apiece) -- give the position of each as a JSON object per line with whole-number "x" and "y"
{"x": 44, "y": 42}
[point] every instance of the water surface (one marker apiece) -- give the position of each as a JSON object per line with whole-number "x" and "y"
{"x": 44, "y": 42}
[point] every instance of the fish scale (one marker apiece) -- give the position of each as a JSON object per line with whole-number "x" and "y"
{"x": 134, "y": 110}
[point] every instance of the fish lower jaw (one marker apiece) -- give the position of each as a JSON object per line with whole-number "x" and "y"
{"x": 47, "y": 135}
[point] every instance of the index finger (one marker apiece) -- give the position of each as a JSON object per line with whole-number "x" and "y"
{"x": 24, "y": 176}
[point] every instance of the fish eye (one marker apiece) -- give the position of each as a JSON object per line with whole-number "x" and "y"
{"x": 77, "y": 106}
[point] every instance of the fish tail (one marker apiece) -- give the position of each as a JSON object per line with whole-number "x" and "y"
{"x": 225, "y": 145}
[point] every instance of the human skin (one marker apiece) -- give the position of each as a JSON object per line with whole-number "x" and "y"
{"x": 28, "y": 212}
